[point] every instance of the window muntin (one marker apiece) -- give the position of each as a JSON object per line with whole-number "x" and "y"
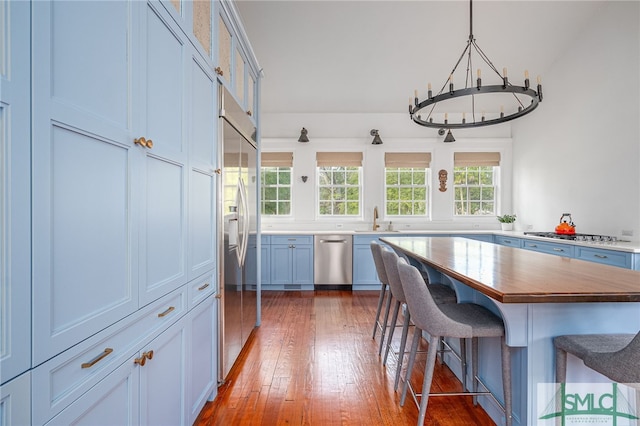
{"x": 339, "y": 190}
{"x": 475, "y": 190}
{"x": 276, "y": 191}
{"x": 406, "y": 191}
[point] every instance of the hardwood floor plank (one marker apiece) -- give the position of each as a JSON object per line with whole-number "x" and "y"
{"x": 313, "y": 362}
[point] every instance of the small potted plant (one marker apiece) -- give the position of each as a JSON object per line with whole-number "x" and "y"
{"x": 506, "y": 221}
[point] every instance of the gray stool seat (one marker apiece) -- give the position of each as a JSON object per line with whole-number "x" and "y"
{"x": 441, "y": 293}
{"x": 464, "y": 320}
{"x": 616, "y": 356}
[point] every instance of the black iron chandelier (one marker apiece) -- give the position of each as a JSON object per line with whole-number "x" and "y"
{"x": 524, "y": 98}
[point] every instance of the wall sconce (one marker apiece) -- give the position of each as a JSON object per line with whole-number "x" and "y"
{"x": 304, "y": 178}
{"x": 376, "y": 137}
{"x": 303, "y": 135}
{"x": 449, "y": 137}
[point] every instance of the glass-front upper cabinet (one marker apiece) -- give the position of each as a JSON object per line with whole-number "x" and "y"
{"x": 224, "y": 50}
{"x": 202, "y": 27}
{"x": 251, "y": 95}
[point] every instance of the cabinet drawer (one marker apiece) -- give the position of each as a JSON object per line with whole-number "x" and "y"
{"x": 201, "y": 288}
{"x": 292, "y": 239}
{"x": 507, "y": 241}
{"x": 61, "y": 380}
{"x": 565, "y": 250}
{"x": 608, "y": 257}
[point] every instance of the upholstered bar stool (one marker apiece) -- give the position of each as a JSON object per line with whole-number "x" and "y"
{"x": 460, "y": 320}
{"x": 441, "y": 294}
{"x": 616, "y": 356}
{"x": 376, "y": 251}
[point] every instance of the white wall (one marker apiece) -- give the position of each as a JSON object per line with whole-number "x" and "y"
{"x": 350, "y": 132}
{"x": 579, "y": 152}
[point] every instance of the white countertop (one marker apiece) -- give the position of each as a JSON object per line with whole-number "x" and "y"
{"x": 626, "y": 246}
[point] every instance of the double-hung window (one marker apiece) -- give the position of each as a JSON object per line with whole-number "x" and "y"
{"x": 339, "y": 183}
{"x": 276, "y": 169}
{"x": 406, "y": 183}
{"x": 475, "y": 177}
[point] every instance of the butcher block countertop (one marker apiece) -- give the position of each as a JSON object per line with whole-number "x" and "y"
{"x": 512, "y": 275}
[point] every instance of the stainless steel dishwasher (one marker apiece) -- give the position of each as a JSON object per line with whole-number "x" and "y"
{"x": 332, "y": 260}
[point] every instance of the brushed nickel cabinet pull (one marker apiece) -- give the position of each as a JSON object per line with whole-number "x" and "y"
{"x": 558, "y": 249}
{"x": 507, "y": 241}
{"x": 533, "y": 245}
{"x": 202, "y": 287}
{"x": 97, "y": 359}
{"x": 167, "y": 312}
{"x": 601, "y": 256}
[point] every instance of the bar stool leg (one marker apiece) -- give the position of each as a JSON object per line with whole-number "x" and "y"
{"x": 463, "y": 361}
{"x": 386, "y": 321}
{"x": 412, "y": 358}
{"x": 383, "y": 291}
{"x": 561, "y": 366}
{"x": 428, "y": 377}
{"x": 506, "y": 381}
{"x": 403, "y": 344}
{"x": 394, "y": 320}
{"x": 474, "y": 368}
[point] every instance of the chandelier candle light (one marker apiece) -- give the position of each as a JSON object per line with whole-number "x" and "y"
{"x": 519, "y": 95}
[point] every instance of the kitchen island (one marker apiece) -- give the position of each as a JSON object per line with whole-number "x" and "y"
{"x": 539, "y": 296}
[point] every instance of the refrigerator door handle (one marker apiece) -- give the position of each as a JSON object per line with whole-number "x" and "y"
{"x": 239, "y": 222}
{"x": 242, "y": 190}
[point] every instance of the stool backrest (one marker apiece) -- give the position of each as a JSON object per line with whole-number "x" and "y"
{"x": 390, "y": 259}
{"x": 425, "y": 313}
{"x": 376, "y": 250}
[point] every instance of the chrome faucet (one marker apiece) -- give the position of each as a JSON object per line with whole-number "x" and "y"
{"x": 375, "y": 218}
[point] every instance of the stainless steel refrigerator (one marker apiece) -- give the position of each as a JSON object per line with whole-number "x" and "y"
{"x": 238, "y": 193}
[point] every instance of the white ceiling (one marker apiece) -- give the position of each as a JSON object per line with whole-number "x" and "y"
{"x": 369, "y": 56}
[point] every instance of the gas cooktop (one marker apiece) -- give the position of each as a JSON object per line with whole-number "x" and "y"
{"x": 573, "y": 237}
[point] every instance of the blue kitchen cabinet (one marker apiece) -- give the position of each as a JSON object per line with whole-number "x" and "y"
{"x": 608, "y": 257}
{"x": 507, "y": 241}
{"x": 559, "y": 249}
{"x": 15, "y": 202}
{"x": 291, "y": 263}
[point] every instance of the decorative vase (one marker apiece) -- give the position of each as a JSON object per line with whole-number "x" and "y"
{"x": 507, "y": 226}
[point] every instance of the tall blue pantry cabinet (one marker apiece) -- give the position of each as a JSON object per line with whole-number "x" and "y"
{"x": 108, "y": 133}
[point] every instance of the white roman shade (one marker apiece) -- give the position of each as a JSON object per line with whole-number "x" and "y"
{"x": 418, "y": 160}
{"x": 339, "y": 159}
{"x": 476, "y": 159}
{"x": 277, "y": 159}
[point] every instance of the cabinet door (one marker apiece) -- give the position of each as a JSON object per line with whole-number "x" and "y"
{"x": 364, "y": 268}
{"x": 113, "y": 401}
{"x": 281, "y": 264}
{"x": 202, "y": 356}
{"x": 202, "y": 160}
{"x": 163, "y": 378}
{"x": 303, "y": 265}
{"x": 84, "y": 214}
{"x": 15, "y": 401}
{"x": 15, "y": 205}
{"x": 164, "y": 170}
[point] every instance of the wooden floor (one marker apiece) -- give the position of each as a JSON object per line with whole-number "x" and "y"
{"x": 313, "y": 362}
